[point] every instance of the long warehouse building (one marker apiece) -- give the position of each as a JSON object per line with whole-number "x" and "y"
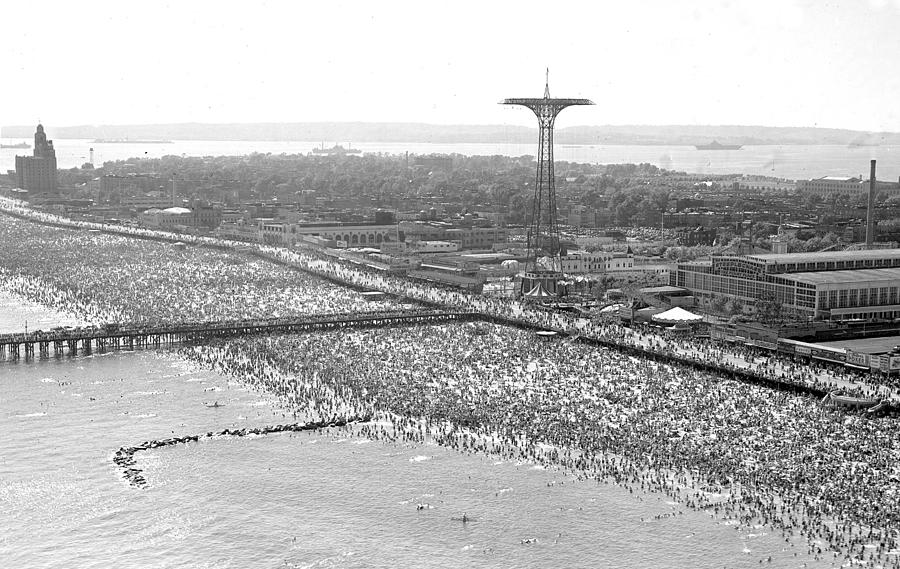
{"x": 840, "y": 285}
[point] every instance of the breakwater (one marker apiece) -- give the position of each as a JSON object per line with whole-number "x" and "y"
{"x": 124, "y": 457}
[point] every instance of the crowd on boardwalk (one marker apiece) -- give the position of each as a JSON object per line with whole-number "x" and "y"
{"x": 157, "y": 283}
{"x": 747, "y": 453}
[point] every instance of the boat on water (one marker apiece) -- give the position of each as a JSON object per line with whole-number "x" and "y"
{"x": 216, "y": 404}
{"x": 336, "y": 150}
{"x": 17, "y": 145}
{"x": 715, "y": 145}
{"x": 129, "y": 141}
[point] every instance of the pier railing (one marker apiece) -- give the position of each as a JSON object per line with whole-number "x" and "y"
{"x": 86, "y": 340}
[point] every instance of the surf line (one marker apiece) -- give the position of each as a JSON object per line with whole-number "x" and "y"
{"x": 124, "y": 457}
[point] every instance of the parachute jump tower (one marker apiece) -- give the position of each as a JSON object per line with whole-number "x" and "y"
{"x": 543, "y": 228}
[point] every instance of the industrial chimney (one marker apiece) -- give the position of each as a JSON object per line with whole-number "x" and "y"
{"x": 870, "y": 215}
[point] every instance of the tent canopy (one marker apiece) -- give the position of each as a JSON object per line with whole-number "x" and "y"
{"x": 676, "y": 315}
{"x": 538, "y": 291}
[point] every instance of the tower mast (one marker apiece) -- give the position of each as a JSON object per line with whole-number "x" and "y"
{"x": 543, "y": 228}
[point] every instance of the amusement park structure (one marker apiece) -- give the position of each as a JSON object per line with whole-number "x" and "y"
{"x": 543, "y": 228}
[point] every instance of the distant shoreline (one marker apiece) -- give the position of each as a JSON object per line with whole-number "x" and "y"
{"x": 487, "y": 143}
{"x": 422, "y": 133}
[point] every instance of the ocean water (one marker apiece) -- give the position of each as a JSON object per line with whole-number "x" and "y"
{"x": 784, "y": 161}
{"x": 299, "y": 500}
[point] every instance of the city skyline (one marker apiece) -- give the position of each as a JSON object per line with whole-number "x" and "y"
{"x": 720, "y": 63}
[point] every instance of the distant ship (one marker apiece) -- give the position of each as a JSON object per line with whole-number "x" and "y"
{"x": 19, "y": 145}
{"x": 860, "y": 143}
{"x": 129, "y": 141}
{"x": 714, "y": 145}
{"x": 337, "y": 149}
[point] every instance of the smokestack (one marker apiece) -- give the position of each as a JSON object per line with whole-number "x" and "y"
{"x": 870, "y": 218}
{"x": 92, "y": 156}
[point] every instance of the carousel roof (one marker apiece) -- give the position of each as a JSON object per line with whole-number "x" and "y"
{"x": 675, "y": 315}
{"x": 538, "y": 291}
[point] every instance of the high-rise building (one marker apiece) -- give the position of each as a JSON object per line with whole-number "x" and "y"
{"x": 37, "y": 173}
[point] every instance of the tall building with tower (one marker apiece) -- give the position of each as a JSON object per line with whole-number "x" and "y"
{"x": 543, "y": 228}
{"x": 37, "y": 173}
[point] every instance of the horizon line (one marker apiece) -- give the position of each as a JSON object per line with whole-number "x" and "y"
{"x": 446, "y": 125}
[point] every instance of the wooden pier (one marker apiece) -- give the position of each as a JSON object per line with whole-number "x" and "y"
{"x": 86, "y": 341}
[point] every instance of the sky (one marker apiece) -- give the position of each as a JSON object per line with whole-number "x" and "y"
{"x": 712, "y": 62}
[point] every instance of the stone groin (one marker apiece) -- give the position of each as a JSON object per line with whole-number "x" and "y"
{"x": 124, "y": 457}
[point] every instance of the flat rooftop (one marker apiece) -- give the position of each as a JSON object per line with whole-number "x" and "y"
{"x": 827, "y": 256}
{"x": 663, "y": 289}
{"x": 866, "y": 345}
{"x": 838, "y": 179}
{"x": 848, "y": 276}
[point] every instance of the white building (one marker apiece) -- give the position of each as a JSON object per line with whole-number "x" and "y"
{"x": 583, "y": 262}
{"x": 433, "y": 246}
{"x": 168, "y": 218}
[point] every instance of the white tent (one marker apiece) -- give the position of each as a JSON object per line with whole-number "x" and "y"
{"x": 538, "y": 291}
{"x": 676, "y": 315}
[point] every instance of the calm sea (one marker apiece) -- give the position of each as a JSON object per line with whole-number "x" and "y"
{"x": 785, "y": 161}
{"x": 299, "y": 500}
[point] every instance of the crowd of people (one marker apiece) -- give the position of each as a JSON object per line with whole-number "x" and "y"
{"x": 817, "y": 375}
{"x": 101, "y": 278}
{"x": 743, "y": 451}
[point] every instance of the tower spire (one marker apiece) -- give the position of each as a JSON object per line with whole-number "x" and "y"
{"x": 547, "y": 85}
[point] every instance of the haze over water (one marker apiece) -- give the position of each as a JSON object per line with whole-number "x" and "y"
{"x": 784, "y": 161}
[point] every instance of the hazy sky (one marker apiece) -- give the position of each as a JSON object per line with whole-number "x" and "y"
{"x": 776, "y": 63}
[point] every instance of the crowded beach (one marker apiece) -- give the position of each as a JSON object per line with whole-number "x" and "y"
{"x": 743, "y": 452}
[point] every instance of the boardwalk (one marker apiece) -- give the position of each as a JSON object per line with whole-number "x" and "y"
{"x": 737, "y": 365}
{"x": 74, "y": 341}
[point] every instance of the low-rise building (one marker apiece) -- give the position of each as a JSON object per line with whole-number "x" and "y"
{"x": 433, "y": 247}
{"x": 584, "y": 262}
{"x": 349, "y": 234}
{"x": 201, "y": 217}
{"x": 167, "y": 219}
{"x": 239, "y": 231}
{"x": 831, "y": 186}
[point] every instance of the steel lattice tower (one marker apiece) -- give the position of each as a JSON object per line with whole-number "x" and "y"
{"x": 543, "y": 229}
